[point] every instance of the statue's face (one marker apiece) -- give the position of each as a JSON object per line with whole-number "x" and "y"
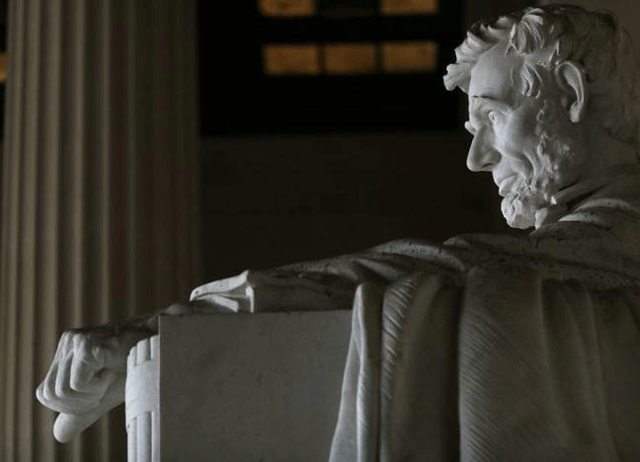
{"x": 526, "y": 143}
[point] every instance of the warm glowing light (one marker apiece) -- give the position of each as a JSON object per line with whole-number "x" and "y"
{"x": 287, "y": 7}
{"x": 350, "y": 58}
{"x": 408, "y": 7}
{"x": 291, "y": 59}
{"x": 408, "y": 57}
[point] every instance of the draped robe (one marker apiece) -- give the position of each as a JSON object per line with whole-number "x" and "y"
{"x": 487, "y": 347}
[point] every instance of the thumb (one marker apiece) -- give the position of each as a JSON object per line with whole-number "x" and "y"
{"x": 68, "y": 425}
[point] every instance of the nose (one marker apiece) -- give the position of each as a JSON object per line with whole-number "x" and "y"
{"x": 482, "y": 156}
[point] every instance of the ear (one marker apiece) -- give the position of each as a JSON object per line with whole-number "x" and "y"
{"x": 572, "y": 81}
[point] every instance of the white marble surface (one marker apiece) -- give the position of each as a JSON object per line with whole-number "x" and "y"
{"x": 142, "y": 401}
{"x": 261, "y": 387}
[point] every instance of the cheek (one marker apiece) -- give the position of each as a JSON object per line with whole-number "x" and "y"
{"x": 519, "y": 142}
{"x": 520, "y": 133}
{"x": 512, "y": 165}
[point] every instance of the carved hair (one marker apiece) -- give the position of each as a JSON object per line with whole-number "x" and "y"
{"x": 550, "y": 35}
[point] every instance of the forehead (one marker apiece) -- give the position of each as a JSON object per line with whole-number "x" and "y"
{"x": 494, "y": 75}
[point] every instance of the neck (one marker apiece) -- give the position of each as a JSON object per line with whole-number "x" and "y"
{"x": 606, "y": 160}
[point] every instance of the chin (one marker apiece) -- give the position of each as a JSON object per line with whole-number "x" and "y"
{"x": 520, "y": 212}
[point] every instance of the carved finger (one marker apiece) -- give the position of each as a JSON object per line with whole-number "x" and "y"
{"x": 102, "y": 381}
{"x": 91, "y": 348}
{"x": 69, "y": 425}
{"x": 62, "y": 386}
{"x": 40, "y": 394}
{"x": 48, "y": 385}
{"x": 64, "y": 346}
{"x": 94, "y": 382}
{"x": 60, "y": 405}
{"x": 82, "y": 375}
{"x": 62, "y": 351}
{"x": 84, "y": 366}
{"x": 67, "y": 399}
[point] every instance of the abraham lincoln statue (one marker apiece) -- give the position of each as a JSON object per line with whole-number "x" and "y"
{"x": 486, "y": 347}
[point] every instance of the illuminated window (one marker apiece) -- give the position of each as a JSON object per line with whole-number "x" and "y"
{"x": 287, "y": 7}
{"x": 357, "y": 56}
{"x": 352, "y": 58}
{"x": 397, "y": 57}
{"x": 291, "y": 59}
{"x": 408, "y": 7}
{"x": 409, "y": 57}
{"x": 368, "y": 64}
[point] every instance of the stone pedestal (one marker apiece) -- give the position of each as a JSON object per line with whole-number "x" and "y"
{"x": 99, "y": 192}
{"x": 238, "y": 388}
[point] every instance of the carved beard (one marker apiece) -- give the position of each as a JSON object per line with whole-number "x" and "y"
{"x": 558, "y": 157}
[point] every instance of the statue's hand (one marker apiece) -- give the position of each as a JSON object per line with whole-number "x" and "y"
{"x": 86, "y": 378}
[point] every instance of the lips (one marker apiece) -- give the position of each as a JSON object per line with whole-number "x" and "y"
{"x": 505, "y": 185}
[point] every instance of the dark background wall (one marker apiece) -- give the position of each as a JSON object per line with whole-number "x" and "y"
{"x": 272, "y": 200}
{"x": 279, "y": 195}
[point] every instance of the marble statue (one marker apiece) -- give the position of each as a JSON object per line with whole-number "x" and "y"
{"x": 486, "y": 347}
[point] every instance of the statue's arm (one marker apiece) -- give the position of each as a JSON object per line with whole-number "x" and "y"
{"x": 322, "y": 285}
{"x": 87, "y": 375}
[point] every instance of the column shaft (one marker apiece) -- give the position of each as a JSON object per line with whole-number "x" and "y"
{"x": 99, "y": 192}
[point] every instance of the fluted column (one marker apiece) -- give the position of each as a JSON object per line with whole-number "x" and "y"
{"x": 142, "y": 401}
{"x": 99, "y": 192}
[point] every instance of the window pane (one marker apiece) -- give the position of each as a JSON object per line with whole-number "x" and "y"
{"x": 291, "y": 59}
{"x": 407, "y": 57}
{"x": 350, "y": 58}
{"x": 398, "y": 7}
{"x": 287, "y": 7}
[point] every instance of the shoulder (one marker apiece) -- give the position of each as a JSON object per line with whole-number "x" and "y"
{"x": 561, "y": 251}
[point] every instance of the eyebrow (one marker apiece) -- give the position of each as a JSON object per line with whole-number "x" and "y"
{"x": 480, "y": 99}
{"x": 490, "y": 98}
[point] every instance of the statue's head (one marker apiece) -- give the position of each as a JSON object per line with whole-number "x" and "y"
{"x": 540, "y": 82}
